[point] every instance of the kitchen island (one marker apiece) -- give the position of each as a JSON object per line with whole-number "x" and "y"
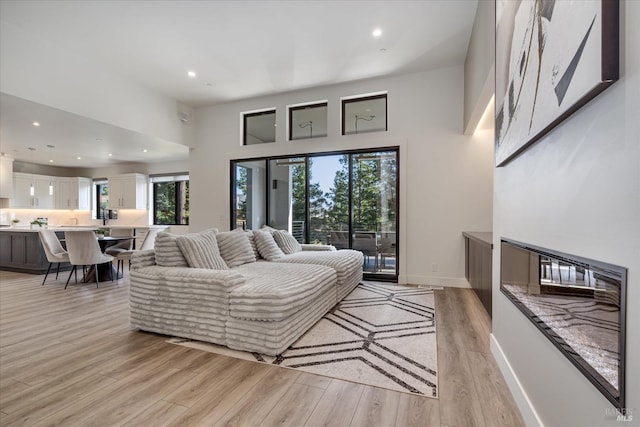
{"x": 21, "y": 249}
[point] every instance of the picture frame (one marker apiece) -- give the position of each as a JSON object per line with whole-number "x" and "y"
{"x": 552, "y": 57}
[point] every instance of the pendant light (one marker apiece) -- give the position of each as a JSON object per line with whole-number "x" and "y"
{"x": 51, "y": 147}
{"x": 32, "y": 190}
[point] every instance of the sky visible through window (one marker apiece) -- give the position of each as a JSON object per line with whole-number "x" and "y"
{"x": 324, "y": 171}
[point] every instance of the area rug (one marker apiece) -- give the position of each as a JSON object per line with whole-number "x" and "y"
{"x": 380, "y": 335}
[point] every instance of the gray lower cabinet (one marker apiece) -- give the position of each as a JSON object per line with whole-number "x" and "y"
{"x": 478, "y": 265}
{"x": 22, "y": 251}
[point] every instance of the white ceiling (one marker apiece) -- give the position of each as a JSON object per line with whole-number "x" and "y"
{"x": 242, "y": 49}
{"x": 74, "y": 136}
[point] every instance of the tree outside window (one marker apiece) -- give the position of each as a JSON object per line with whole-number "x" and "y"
{"x": 170, "y": 202}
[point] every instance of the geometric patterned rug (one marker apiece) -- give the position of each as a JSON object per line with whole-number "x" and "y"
{"x": 380, "y": 335}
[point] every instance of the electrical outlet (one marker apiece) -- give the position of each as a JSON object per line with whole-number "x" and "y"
{"x": 434, "y": 268}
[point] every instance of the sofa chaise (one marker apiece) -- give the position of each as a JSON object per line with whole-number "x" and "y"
{"x": 256, "y": 291}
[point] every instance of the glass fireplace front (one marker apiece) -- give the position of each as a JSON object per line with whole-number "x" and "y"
{"x": 577, "y": 303}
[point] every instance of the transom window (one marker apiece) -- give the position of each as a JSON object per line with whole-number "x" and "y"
{"x": 364, "y": 114}
{"x": 308, "y": 121}
{"x": 259, "y": 127}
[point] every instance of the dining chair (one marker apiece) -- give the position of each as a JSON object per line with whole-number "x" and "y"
{"x": 148, "y": 242}
{"x": 53, "y": 250}
{"x": 120, "y": 247}
{"x": 84, "y": 250}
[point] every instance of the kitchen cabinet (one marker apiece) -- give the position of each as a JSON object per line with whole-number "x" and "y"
{"x": 22, "y": 251}
{"x": 40, "y": 198}
{"x": 73, "y": 193}
{"x": 478, "y": 265}
{"x": 128, "y": 191}
{"x": 6, "y": 177}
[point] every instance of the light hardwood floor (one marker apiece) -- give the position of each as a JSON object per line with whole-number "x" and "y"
{"x": 68, "y": 357}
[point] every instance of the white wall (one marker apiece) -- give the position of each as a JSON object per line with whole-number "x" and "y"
{"x": 479, "y": 74}
{"x": 35, "y": 69}
{"x": 445, "y": 176}
{"x": 577, "y": 191}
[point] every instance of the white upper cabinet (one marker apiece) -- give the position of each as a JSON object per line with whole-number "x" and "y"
{"x": 73, "y": 193}
{"x": 32, "y": 191}
{"x": 128, "y": 191}
{"x": 6, "y": 177}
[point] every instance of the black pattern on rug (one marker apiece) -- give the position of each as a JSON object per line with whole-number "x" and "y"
{"x": 381, "y": 335}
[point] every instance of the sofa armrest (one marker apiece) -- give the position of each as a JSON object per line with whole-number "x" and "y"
{"x": 311, "y": 247}
{"x": 141, "y": 259}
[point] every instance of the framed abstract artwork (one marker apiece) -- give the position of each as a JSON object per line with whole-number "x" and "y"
{"x": 552, "y": 57}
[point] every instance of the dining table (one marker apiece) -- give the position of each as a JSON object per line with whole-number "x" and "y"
{"x": 107, "y": 271}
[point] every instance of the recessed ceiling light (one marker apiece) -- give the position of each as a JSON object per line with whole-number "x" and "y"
{"x": 191, "y": 74}
{"x": 110, "y": 155}
{"x": 79, "y": 158}
{"x": 36, "y": 124}
{"x": 377, "y": 32}
{"x": 50, "y": 160}
{"x": 145, "y": 150}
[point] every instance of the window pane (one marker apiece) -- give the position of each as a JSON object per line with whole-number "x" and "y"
{"x": 165, "y": 203}
{"x": 329, "y": 200}
{"x": 102, "y": 191}
{"x": 287, "y": 207}
{"x": 362, "y": 115}
{"x": 309, "y": 121}
{"x": 250, "y": 195}
{"x": 171, "y": 203}
{"x": 374, "y": 209}
{"x": 259, "y": 128}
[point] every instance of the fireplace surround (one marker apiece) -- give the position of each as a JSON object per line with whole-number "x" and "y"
{"x": 577, "y": 303}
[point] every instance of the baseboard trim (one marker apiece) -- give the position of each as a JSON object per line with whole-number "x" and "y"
{"x": 527, "y": 410}
{"x": 451, "y": 282}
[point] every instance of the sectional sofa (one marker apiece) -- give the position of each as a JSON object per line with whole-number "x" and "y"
{"x": 256, "y": 291}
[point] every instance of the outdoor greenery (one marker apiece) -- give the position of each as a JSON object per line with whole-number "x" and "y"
{"x": 373, "y": 182}
{"x": 171, "y": 203}
{"x": 373, "y": 194}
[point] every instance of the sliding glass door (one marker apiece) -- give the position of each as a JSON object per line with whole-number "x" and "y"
{"x": 348, "y": 200}
{"x": 374, "y": 195}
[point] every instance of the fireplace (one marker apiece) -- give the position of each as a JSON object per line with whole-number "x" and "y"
{"x": 577, "y": 303}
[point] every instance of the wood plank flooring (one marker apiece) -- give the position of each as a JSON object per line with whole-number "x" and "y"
{"x": 69, "y": 357}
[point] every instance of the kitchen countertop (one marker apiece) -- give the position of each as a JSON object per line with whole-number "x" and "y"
{"x": 27, "y": 229}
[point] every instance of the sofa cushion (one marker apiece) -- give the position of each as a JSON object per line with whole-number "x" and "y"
{"x": 277, "y": 291}
{"x": 346, "y": 262}
{"x": 168, "y": 253}
{"x": 201, "y": 251}
{"x": 235, "y": 248}
{"x": 286, "y": 242}
{"x": 267, "y": 247}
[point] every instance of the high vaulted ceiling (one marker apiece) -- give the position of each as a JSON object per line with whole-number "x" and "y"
{"x": 242, "y": 49}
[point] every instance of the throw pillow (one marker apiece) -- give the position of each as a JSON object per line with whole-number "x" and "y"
{"x": 287, "y": 242}
{"x": 252, "y": 241}
{"x": 168, "y": 253}
{"x": 267, "y": 228}
{"x": 201, "y": 251}
{"x": 267, "y": 247}
{"x": 235, "y": 248}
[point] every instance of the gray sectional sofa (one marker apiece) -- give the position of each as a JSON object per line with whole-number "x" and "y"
{"x": 254, "y": 291}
